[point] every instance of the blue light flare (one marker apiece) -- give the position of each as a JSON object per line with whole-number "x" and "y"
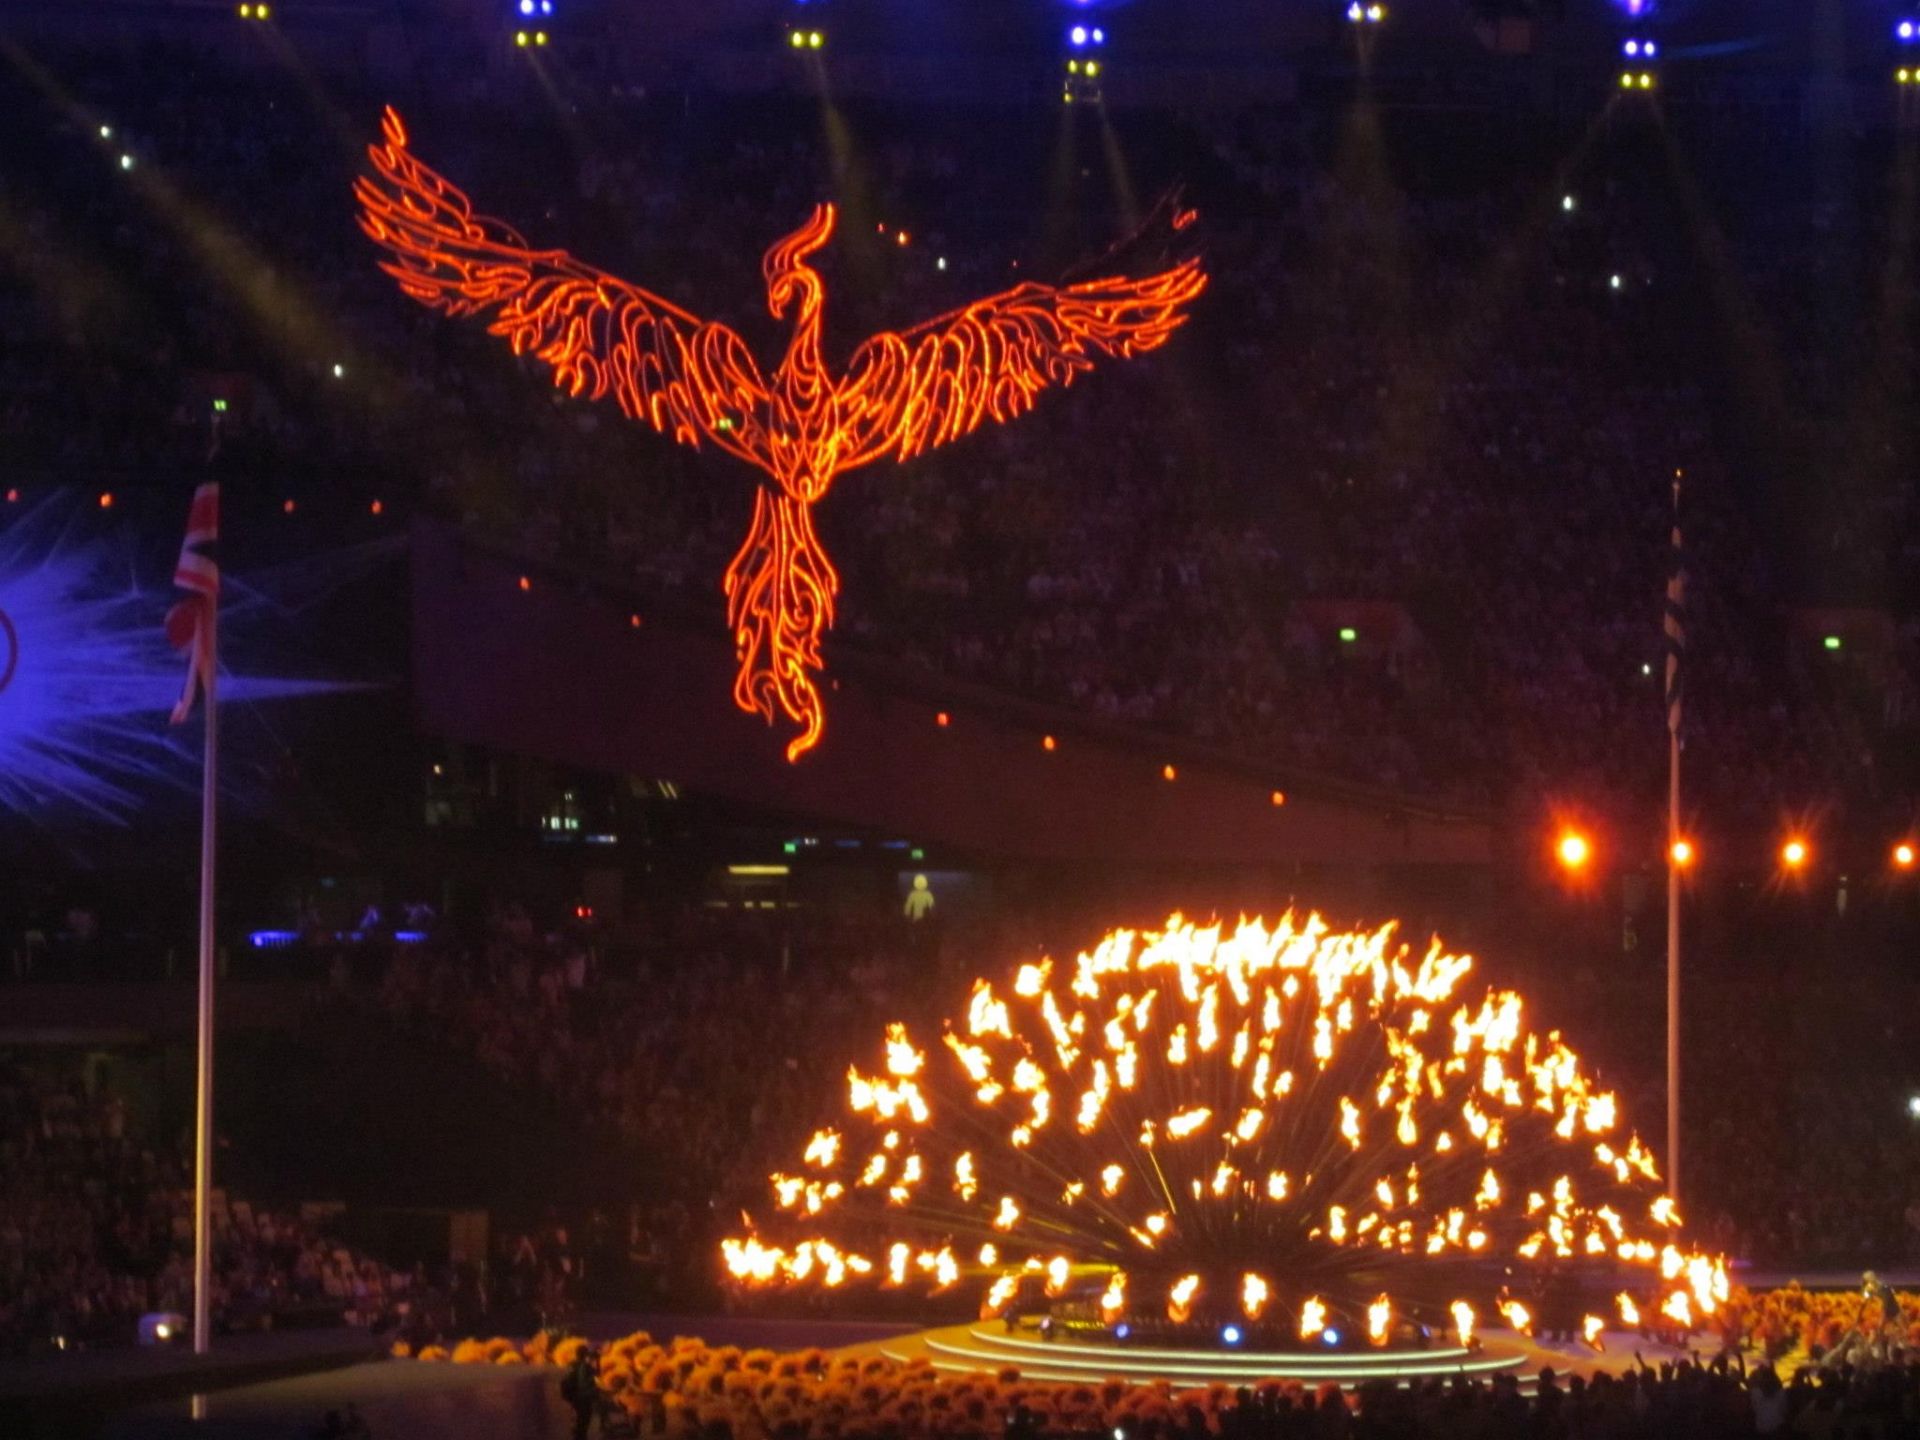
{"x": 86, "y": 675}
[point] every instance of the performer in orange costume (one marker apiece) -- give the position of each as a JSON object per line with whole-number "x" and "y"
{"x": 901, "y": 393}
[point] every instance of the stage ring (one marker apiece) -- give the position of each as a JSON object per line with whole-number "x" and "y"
{"x": 966, "y": 1349}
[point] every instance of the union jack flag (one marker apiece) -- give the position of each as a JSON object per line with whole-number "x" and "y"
{"x": 189, "y": 621}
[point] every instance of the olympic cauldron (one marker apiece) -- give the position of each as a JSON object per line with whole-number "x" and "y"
{"x": 1273, "y": 1138}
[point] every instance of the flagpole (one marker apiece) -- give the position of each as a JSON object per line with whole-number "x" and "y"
{"x": 1674, "y": 627}
{"x": 1673, "y": 965}
{"x": 203, "y": 1128}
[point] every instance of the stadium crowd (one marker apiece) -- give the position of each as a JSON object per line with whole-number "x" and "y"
{"x": 1388, "y": 417}
{"x": 96, "y": 1232}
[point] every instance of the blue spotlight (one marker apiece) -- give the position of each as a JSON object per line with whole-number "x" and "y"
{"x": 1906, "y": 32}
{"x": 526, "y": 7}
{"x": 1122, "y": 1330}
{"x": 1329, "y": 1337}
{"x": 1099, "y": 36}
{"x": 1230, "y": 1335}
{"x": 1077, "y": 35}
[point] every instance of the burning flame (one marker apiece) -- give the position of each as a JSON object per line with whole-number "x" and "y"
{"x": 1463, "y": 1322}
{"x": 1180, "y": 1299}
{"x": 1313, "y": 1318}
{"x": 1379, "y": 1320}
{"x": 1253, "y": 1295}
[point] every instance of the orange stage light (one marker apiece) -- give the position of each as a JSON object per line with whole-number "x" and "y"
{"x": 1279, "y": 797}
{"x": 901, "y": 393}
{"x": 1681, "y": 853}
{"x": 1047, "y": 742}
{"x": 1903, "y": 855}
{"x": 1573, "y": 850}
{"x": 1794, "y": 854}
{"x": 106, "y": 500}
{"x": 1167, "y": 772}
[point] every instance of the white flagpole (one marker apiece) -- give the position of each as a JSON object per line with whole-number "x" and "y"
{"x": 1673, "y": 966}
{"x": 203, "y": 1129}
{"x": 1675, "y": 632}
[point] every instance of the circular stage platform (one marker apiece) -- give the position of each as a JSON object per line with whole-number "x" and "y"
{"x": 987, "y": 1347}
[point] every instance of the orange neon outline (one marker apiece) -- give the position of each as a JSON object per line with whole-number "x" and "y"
{"x": 902, "y": 392}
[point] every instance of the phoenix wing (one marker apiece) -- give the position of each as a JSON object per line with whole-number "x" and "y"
{"x": 688, "y": 378}
{"x": 909, "y": 391}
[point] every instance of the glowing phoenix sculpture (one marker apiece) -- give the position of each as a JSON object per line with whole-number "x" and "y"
{"x": 901, "y": 393}
{"x": 1278, "y": 1123}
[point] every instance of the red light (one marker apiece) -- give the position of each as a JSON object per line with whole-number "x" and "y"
{"x": 13, "y": 497}
{"x": 1046, "y": 742}
{"x": 1279, "y": 797}
{"x": 286, "y": 507}
{"x": 633, "y": 622}
{"x": 376, "y": 507}
{"x": 1903, "y": 855}
{"x": 525, "y": 584}
{"x": 1167, "y": 772}
{"x": 901, "y": 238}
{"x": 941, "y": 720}
{"x": 1573, "y": 850}
{"x": 106, "y": 500}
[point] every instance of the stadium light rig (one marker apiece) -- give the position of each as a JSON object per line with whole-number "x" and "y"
{"x": 1572, "y": 850}
{"x": 806, "y": 28}
{"x": 538, "y": 13}
{"x": 256, "y": 12}
{"x": 1373, "y": 13}
{"x": 1084, "y": 65}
